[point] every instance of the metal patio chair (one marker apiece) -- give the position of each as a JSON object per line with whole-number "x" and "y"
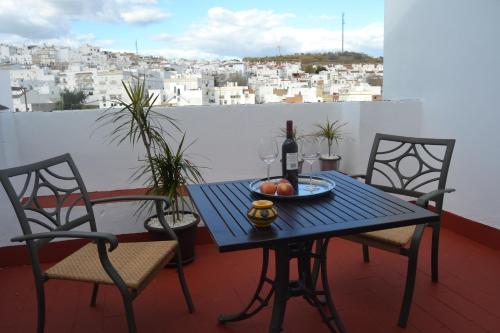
{"x": 129, "y": 266}
{"x": 385, "y": 171}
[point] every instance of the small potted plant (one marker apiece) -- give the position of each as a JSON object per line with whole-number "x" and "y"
{"x": 165, "y": 170}
{"x": 297, "y": 136}
{"x": 331, "y": 132}
{"x": 172, "y": 172}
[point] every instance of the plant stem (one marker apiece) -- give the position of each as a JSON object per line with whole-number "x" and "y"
{"x": 147, "y": 145}
{"x": 177, "y": 213}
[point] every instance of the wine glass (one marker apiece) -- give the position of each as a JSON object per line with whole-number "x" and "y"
{"x": 310, "y": 150}
{"x": 268, "y": 152}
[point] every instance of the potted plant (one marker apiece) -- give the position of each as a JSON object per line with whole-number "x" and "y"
{"x": 165, "y": 169}
{"x": 332, "y": 133}
{"x": 173, "y": 172}
{"x": 297, "y": 136}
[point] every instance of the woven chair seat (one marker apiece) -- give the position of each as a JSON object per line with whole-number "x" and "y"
{"x": 135, "y": 262}
{"x": 388, "y": 239}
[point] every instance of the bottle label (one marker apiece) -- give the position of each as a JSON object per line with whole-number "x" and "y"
{"x": 292, "y": 161}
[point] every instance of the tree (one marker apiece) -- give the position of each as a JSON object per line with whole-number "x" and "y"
{"x": 375, "y": 80}
{"x": 240, "y": 79}
{"x": 220, "y": 80}
{"x": 71, "y": 99}
{"x": 314, "y": 69}
{"x": 320, "y": 69}
{"x": 310, "y": 69}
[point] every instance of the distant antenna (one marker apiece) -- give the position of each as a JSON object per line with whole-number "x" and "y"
{"x": 278, "y": 49}
{"x": 137, "y": 49}
{"x": 343, "y": 23}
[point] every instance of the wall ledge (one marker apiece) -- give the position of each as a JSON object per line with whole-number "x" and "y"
{"x": 478, "y": 232}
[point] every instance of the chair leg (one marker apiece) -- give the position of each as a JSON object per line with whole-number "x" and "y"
{"x": 410, "y": 286}
{"x": 129, "y": 312}
{"x": 40, "y": 295}
{"x": 182, "y": 280}
{"x": 411, "y": 275}
{"x": 127, "y": 303}
{"x": 95, "y": 290}
{"x": 366, "y": 253}
{"x": 435, "y": 251}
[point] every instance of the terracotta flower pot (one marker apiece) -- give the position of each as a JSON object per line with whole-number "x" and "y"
{"x": 328, "y": 163}
{"x": 186, "y": 234}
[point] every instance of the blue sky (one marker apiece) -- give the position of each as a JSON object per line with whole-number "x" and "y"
{"x": 197, "y": 29}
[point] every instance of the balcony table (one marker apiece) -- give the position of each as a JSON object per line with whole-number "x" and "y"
{"x": 301, "y": 231}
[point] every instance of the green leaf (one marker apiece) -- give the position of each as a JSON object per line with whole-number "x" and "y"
{"x": 331, "y": 131}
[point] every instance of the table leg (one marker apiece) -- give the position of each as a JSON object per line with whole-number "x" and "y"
{"x": 282, "y": 288}
{"x": 281, "y": 285}
{"x": 326, "y": 292}
{"x": 259, "y": 300}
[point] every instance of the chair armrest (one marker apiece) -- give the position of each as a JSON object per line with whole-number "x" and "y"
{"x": 424, "y": 199}
{"x": 158, "y": 198}
{"x": 131, "y": 198}
{"x": 358, "y": 176}
{"x": 97, "y": 236}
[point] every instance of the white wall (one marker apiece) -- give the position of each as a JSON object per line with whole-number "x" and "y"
{"x": 227, "y": 139}
{"x": 5, "y": 92}
{"x": 446, "y": 53}
{"x": 227, "y": 145}
{"x": 365, "y": 119}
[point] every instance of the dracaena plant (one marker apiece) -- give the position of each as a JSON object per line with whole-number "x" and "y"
{"x": 173, "y": 171}
{"x": 165, "y": 168}
{"x": 297, "y": 134}
{"x": 331, "y": 131}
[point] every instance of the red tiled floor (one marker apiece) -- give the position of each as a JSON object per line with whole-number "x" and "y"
{"x": 467, "y": 298}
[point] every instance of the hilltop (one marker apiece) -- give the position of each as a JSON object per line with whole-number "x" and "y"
{"x": 309, "y": 60}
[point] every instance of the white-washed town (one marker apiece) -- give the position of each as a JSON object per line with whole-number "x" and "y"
{"x": 39, "y": 74}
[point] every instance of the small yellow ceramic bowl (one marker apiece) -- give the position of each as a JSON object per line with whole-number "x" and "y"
{"x": 262, "y": 213}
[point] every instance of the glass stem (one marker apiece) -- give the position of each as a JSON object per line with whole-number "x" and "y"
{"x": 310, "y": 175}
{"x": 268, "y": 171}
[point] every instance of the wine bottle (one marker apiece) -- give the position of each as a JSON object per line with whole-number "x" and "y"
{"x": 290, "y": 157}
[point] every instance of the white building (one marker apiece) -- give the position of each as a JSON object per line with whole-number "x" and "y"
{"x": 184, "y": 89}
{"x": 5, "y": 92}
{"x": 233, "y": 94}
{"x": 309, "y": 94}
{"x": 78, "y": 80}
{"x": 108, "y": 87}
{"x": 270, "y": 94}
{"x": 360, "y": 93}
{"x": 44, "y": 55}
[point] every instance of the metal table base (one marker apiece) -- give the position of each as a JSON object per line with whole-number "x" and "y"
{"x": 311, "y": 265}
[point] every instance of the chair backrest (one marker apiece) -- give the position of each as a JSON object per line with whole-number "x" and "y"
{"x": 44, "y": 196}
{"x": 409, "y": 166}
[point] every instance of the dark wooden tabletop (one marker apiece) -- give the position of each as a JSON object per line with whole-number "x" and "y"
{"x": 352, "y": 207}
